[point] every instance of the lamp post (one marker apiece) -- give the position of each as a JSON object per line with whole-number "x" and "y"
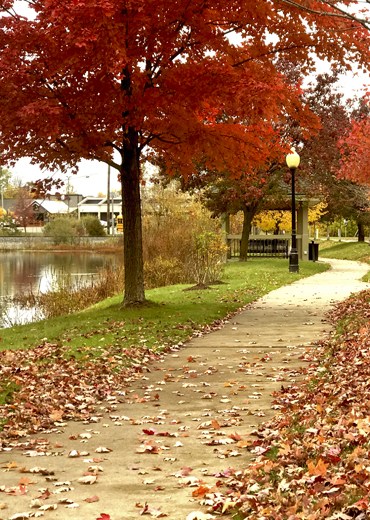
{"x": 108, "y": 203}
{"x": 293, "y": 160}
{"x": 2, "y": 189}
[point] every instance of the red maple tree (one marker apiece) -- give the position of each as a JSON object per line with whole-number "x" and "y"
{"x": 355, "y": 147}
{"x": 148, "y": 78}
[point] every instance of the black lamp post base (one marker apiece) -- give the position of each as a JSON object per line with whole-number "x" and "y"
{"x": 293, "y": 262}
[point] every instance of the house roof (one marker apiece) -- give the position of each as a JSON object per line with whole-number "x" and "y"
{"x": 52, "y": 206}
{"x": 99, "y": 201}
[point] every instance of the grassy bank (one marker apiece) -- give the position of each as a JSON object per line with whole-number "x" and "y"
{"x": 357, "y": 251}
{"x": 172, "y": 315}
{"x": 345, "y": 250}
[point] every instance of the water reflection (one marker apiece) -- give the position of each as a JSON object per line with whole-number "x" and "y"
{"x": 34, "y": 272}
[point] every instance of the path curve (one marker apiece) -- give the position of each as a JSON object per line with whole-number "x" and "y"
{"x": 185, "y": 421}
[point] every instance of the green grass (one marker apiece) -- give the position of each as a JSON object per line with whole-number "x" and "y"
{"x": 7, "y": 389}
{"x": 172, "y": 315}
{"x": 345, "y": 250}
{"x": 358, "y": 251}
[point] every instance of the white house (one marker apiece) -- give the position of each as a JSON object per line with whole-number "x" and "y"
{"x": 99, "y": 207}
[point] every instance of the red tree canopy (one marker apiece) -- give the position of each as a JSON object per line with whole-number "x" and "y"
{"x": 355, "y": 149}
{"x": 81, "y": 74}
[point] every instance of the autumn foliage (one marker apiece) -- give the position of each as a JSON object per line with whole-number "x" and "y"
{"x": 148, "y": 79}
{"x": 355, "y": 153}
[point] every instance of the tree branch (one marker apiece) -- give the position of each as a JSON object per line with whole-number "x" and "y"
{"x": 273, "y": 51}
{"x": 341, "y": 13}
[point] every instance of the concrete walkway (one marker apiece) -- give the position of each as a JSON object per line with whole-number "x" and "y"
{"x": 182, "y": 424}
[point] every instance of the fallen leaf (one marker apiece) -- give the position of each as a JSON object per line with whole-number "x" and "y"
{"x": 88, "y": 479}
{"x": 200, "y": 491}
{"x": 73, "y": 454}
{"x": 198, "y": 515}
{"x": 92, "y": 499}
{"x": 320, "y": 468}
{"x": 155, "y": 513}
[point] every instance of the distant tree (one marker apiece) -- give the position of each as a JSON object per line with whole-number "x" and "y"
{"x": 322, "y": 172}
{"x": 349, "y": 201}
{"x": 12, "y": 186}
{"x": 231, "y": 195}
{"x": 355, "y": 146}
{"x": 23, "y": 209}
{"x": 8, "y": 226}
{"x": 5, "y": 176}
{"x": 275, "y": 221}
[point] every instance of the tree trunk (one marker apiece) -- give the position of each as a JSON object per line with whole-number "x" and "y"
{"x": 132, "y": 226}
{"x": 361, "y": 231}
{"x": 249, "y": 214}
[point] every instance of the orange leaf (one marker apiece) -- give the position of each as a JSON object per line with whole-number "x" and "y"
{"x": 56, "y": 415}
{"x": 24, "y": 481}
{"x": 92, "y": 499}
{"x": 200, "y": 491}
{"x": 338, "y": 481}
{"x": 318, "y": 469}
{"x": 235, "y": 436}
{"x": 10, "y": 465}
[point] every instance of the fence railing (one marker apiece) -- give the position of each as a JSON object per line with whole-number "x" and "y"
{"x": 277, "y": 247}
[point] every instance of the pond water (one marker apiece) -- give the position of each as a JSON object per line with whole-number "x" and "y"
{"x": 34, "y": 272}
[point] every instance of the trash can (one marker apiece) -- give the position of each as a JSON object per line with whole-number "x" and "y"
{"x": 313, "y": 251}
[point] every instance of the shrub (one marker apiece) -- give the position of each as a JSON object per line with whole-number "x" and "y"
{"x": 160, "y": 272}
{"x": 64, "y": 230}
{"x": 93, "y": 226}
{"x": 207, "y": 260}
{"x": 70, "y": 295}
{"x": 175, "y": 239}
{"x": 8, "y": 227}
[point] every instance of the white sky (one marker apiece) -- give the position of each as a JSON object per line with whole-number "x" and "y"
{"x": 91, "y": 179}
{"x": 355, "y": 83}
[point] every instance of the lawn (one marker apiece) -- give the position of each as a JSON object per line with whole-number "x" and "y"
{"x": 345, "y": 250}
{"x": 358, "y": 251}
{"x": 172, "y": 315}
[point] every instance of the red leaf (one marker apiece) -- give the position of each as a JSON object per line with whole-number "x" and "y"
{"x": 149, "y": 432}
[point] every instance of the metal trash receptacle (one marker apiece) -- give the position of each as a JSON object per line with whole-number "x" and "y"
{"x": 313, "y": 251}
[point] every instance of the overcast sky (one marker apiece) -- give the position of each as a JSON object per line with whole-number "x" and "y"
{"x": 91, "y": 179}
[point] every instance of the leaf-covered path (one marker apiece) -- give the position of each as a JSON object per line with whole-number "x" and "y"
{"x": 182, "y": 426}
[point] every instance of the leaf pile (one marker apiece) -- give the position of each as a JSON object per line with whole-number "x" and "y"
{"x": 312, "y": 461}
{"x": 50, "y": 383}
{"x": 50, "y": 387}
{"x": 45, "y": 385}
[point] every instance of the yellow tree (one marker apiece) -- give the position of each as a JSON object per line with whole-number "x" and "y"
{"x": 275, "y": 221}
